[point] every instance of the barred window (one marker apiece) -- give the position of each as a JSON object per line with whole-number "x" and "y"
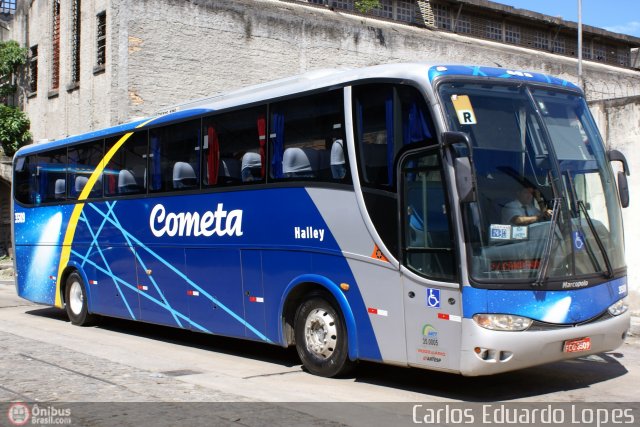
{"x": 559, "y": 46}
{"x": 623, "y": 57}
{"x": 33, "y": 69}
{"x": 599, "y": 53}
{"x": 512, "y": 34}
{"x": 463, "y": 25}
{"x": 541, "y": 40}
{"x": 405, "y": 10}
{"x": 494, "y": 30}
{"x": 55, "y": 45}
{"x": 101, "y": 39}
{"x": 441, "y": 15}
{"x": 8, "y": 7}
{"x": 385, "y": 10}
{"x": 586, "y": 51}
{"x": 342, "y": 4}
{"x": 75, "y": 41}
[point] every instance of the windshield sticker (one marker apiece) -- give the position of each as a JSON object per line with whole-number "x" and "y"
{"x": 519, "y": 233}
{"x": 464, "y": 110}
{"x": 578, "y": 240}
{"x": 500, "y": 232}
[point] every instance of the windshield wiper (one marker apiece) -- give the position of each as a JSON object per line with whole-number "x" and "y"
{"x": 595, "y": 234}
{"x": 546, "y": 252}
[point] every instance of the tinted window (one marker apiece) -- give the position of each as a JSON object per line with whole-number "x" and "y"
{"x": 25, "y": 180}
{"x": 307, "y": 138}
{"x": 126, "y": 173}
{"x": 234, "y": 147}
{"x": 388, "y": 118}
{"x": 174, "y": 157}
{"x": 83, "y": 160}
{"x": 52, "y": 176}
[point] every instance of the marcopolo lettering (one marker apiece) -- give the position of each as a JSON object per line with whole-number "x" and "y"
{"x": 220, "y": 222}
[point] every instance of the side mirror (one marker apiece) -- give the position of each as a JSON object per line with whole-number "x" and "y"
{"x": 623, "y": 184}
{"x": 460, "y": 146}
{"x": 623, "y": 189}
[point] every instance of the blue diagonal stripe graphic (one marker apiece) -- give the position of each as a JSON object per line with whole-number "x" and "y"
{"x": 142, "y": 264}
{"x": 181, "y": 275}
{"x": 135, "y": 289}
{"x": 106, "y": 264}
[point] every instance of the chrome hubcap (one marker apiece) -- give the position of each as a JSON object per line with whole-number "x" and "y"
{"x": 321, "y": 333}
{"x": 76, "y": 298}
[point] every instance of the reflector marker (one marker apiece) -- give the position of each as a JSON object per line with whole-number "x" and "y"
{"x": 377, "y": 311}
{"x": 52, "y": 277}
{"x": 256, "y": 299}
{"x": 193, "y": 293}
{"x": 143, "y": 288}
{"x": 93, "y": 282}
{"x": 453, "y": 318}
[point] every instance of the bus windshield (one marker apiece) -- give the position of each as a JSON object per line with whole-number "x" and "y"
{"x": 547, "y": 211}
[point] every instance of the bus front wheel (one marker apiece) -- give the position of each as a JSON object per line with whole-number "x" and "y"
{"x": 76, "y": 301}
{"x": 321, "y": 338}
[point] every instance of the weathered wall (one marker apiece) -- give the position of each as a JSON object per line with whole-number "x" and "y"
{"x": 70, "y": 111}
{"x": 178, "y": 50}
{"x": 619, "y": 123}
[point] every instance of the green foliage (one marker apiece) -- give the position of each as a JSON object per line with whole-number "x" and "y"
{"x": 14, "y": 129}
{"x": 365, "y": 6}
{"x": 14, "y": 124}
{"x": 11, "y": 57}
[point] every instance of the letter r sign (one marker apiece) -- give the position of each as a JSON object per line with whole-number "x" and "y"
{"x": 466, "y": 117}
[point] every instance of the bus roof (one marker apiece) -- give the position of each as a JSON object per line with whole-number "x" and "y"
{"x": 426, "y": 72}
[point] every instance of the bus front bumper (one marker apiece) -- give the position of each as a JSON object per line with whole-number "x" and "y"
{"x": 486, "y": 352}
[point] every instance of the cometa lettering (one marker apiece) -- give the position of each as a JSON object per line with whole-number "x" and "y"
{"x": 220, "y": 222}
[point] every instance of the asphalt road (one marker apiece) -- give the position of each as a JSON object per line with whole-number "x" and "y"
{"x": 43, "y": 358}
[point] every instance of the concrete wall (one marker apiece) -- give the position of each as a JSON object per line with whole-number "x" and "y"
{"x": 70, "y": 111}
{"x": 619, "y": 123}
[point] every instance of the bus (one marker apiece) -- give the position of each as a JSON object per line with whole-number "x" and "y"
{"x": 459, "y": 218}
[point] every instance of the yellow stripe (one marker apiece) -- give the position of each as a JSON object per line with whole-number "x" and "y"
{"x": 77, "y": 210}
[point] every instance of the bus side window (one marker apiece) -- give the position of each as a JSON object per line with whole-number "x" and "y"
{"x": 52, "y": 175}
{"x": 24, "y": 180}
{"x": 174, "y": 157}
{"x": 233, "y": 148}
{"x": 126, "y": 172}
{"x": 387, "y": 118}
{"x": 307, "y": 138}
{"x": 83, "y": 161}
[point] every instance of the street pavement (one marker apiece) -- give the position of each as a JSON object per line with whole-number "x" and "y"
{"x": 43, "y": 358}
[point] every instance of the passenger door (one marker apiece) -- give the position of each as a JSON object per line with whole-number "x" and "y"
{"x": 433, "y": 310}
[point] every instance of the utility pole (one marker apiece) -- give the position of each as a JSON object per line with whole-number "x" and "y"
{"x": 580, "y": 82}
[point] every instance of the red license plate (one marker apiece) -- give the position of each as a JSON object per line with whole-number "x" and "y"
{"x": 578, "y": 345}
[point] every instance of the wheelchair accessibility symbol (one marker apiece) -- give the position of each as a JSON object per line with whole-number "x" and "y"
{"x": 433, "y": 298}
{"x": 578, "y": 240}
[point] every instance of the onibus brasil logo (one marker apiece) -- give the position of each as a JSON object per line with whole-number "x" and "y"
{"x": 19, "y": 414}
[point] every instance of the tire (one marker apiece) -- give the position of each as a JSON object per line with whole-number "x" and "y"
{"x": 76, "y": 301}
{"x": 321, "y": 338}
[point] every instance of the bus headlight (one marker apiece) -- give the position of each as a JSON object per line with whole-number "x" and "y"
{"x": 618, "y": 308}
{"x": 502, "y": 322}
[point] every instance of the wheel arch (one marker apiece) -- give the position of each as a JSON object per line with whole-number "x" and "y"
{"x": 74, "y": 267}
{"x": 301, "y": 288}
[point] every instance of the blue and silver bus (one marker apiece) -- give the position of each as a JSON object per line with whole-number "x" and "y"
{"x": 457, "y": 218}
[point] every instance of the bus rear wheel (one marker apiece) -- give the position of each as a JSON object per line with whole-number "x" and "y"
{"x": 76, "y": 301}
{"x": 321, "y": 338}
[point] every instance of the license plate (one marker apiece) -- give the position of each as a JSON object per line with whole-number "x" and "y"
{"x": 577, "y": 345}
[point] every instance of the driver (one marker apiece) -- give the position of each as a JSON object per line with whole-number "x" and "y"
{"x": 522, "y": 210}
